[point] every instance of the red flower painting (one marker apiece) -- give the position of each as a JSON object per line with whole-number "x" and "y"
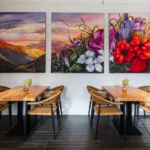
{"x": 131, "y": 52}
{"x": 138, "y": 65}
{"x": 141, "y": 48}
{"x": 123, "y": 52}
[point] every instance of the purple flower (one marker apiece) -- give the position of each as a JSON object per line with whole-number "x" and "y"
{"x": 113, "y": 39}
{"x": 58, "y": 56}
{"x": 125, "y": 29}
{"x": 65, "y": 57}
{"x": 96, "y": 42}
{"x": 76, "y": 42}
{"x": 137, "y": 24}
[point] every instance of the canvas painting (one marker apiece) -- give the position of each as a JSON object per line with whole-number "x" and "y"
{"x": 22, "y": 42}
{"x": 129, "y": 43}
{"x": 77, "y": 43}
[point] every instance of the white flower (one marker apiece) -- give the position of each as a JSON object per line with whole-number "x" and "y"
{"x": 90, "y": 54}
{"x": 90, "y": 68}
{"x": 101, "y": 57}
{"x": 89, "y": 61}
{"x": 92, "y": 63}
{"x": 98, "y": 67}
{"x": 111, "y": 58}
{"x": 66, "y": 60}
{"x": 81, "y": 59}
{"x": 101, "y": 52}
{"x": 97, "y": 61}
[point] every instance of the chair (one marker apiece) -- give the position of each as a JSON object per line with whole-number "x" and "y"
{"x": 106, "y": 110}
{"x": 3, "y": 88}
{"x": 4, "y": 105}
{"x": 58, "y": 88}
{"x": 145, "y": 108}
{"x": 143, "y": 105}
{"x": 89, "y": 88}
{"x": 37, "y": 109}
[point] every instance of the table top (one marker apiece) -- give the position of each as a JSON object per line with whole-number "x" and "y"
{"x": 131, "y": 94}
{"x": 17, "y": 93}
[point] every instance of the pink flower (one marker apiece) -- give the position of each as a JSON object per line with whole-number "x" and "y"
{"x": 96, "y": 42}
{"x": 113, "y": 39}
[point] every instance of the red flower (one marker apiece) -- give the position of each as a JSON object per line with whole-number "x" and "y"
{"x": 138, "y": 65}
{"x": 123, "y": 52}
{"x": 141, "y": 48}
{"x": 37, "y": 67}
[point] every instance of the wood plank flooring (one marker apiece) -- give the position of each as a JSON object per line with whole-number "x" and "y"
{"x": 75, "y": 134}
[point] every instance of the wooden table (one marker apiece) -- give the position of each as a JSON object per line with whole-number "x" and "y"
{"x": 129, "y": 96}
{"x": 17, "y": 94}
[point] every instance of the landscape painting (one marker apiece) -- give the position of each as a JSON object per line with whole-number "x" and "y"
{"x": 77, "y": 43}
{"x": 129, "y": 43}
{"x": 22, "y": 42}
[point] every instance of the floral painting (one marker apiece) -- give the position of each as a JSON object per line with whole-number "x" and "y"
{"x": 129, "y": 43}
{"x": 22, "y": 42}
{"x": 77, "y": 43}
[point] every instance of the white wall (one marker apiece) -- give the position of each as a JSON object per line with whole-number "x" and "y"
{"x": 75, "y": 98}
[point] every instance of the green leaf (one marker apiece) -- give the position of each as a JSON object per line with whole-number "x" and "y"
{"x": 111, "y": 24}
{"x": 71, "y": 49}
{"x": 73, "y": 57}
{"x": 81, "y": 35}
{"x": 69, "y": 37}
{"x": 143, "y": 19}
{"x": 77, "y": 67}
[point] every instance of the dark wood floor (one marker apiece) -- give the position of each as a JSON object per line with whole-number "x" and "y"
{"x": 75, "y": 133}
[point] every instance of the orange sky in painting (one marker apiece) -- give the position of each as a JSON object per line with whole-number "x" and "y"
{"x": 23, "y": 28}
{"x": 23, "y": 42}
{"x": 30, "y": 35}
{"x": 60, "y": 29}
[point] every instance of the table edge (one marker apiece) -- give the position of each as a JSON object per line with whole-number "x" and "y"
{"x": 25, "y": 99}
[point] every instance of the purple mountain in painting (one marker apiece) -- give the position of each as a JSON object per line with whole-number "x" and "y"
{"x": 10, "y": 59}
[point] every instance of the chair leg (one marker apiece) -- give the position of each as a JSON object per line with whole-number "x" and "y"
{"x": 92, "y": 114}
{"x": 135, "y": 113}
{"x": 97, "y": 125}
{"x": 10, "y": 114}
{"x": 108, "y": 115}
{"x": 41, "y": 115}
{"x": 89, "y": 107}
{"x": 124, "y": 117}
{"x": 25, "y": 121}
{"x": 53, "y": 123}
{"x": 114, "y": 118}
{"x": 58, "y": 116}
{"x": 60, "y": 108}
{"x": 92, "y": 119}
{"x": 144, "y": 113}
